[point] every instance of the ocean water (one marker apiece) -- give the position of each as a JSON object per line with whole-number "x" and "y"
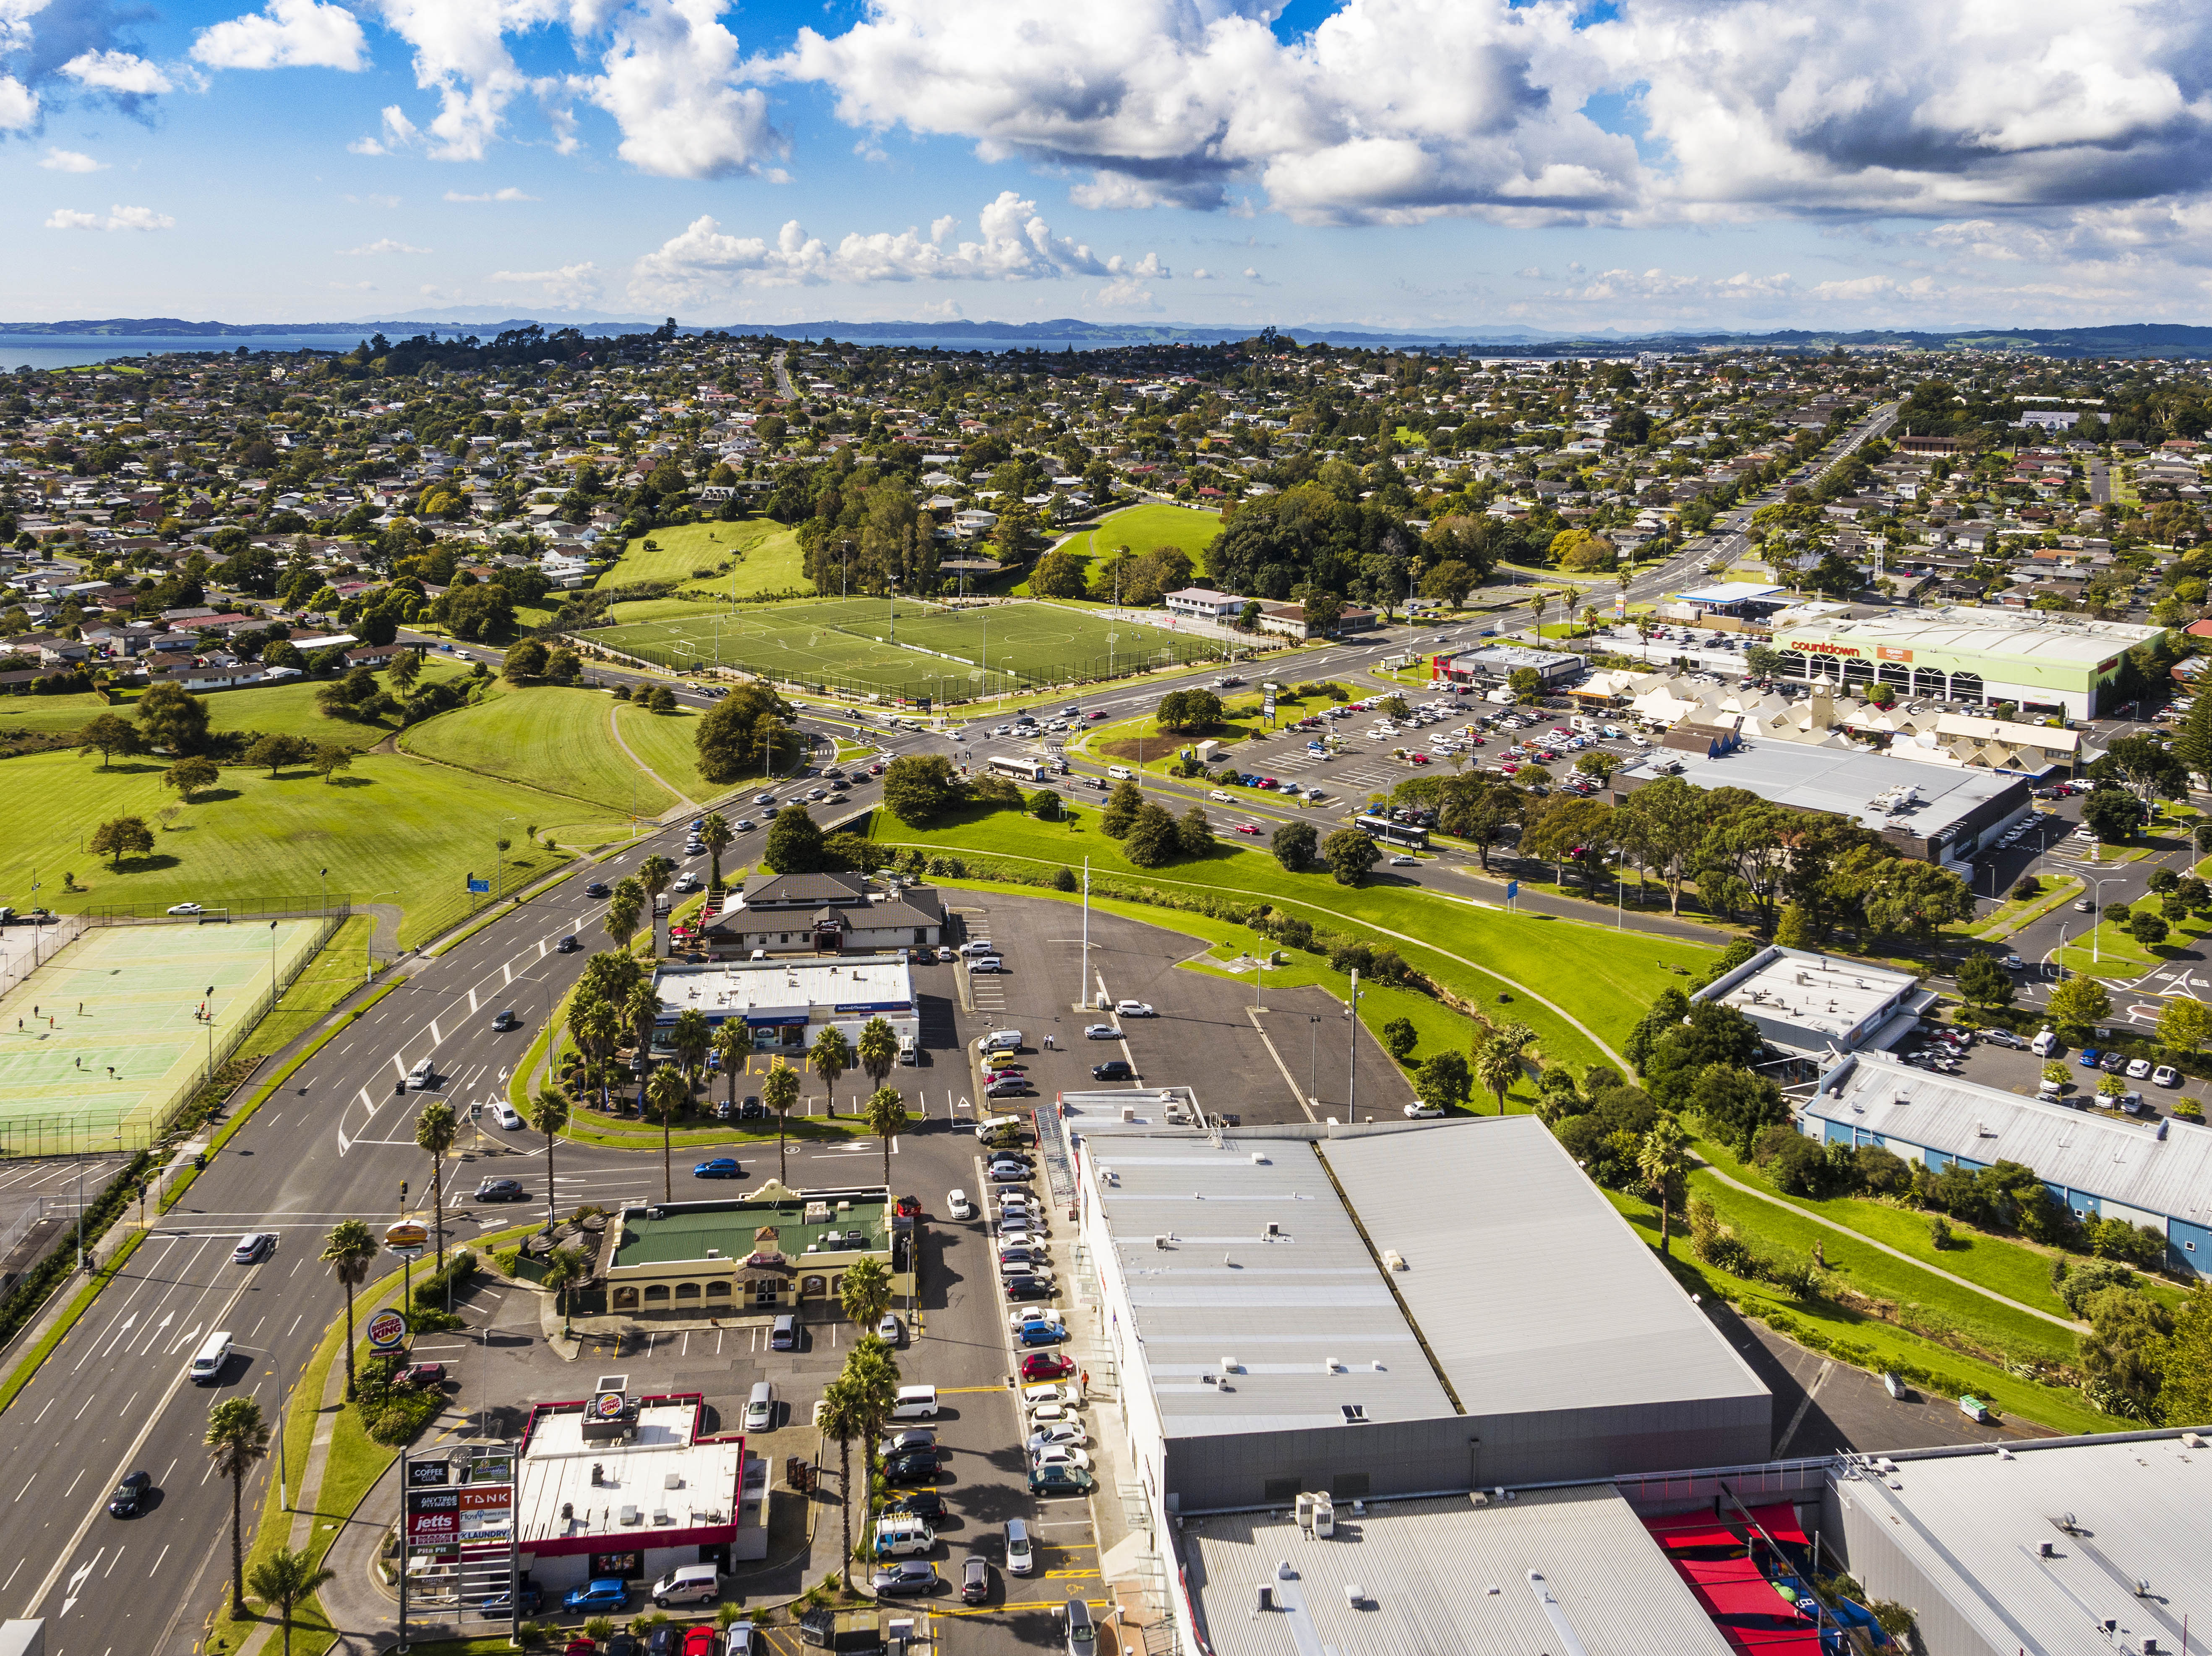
{"x": 61, "y": 350}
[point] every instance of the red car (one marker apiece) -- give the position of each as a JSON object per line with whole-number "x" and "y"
{"x": 421, "y": 1374}
{"x": 1046, "y": 1366}
{"x": 580, "y": 1647}
{"x": 909, "y": 1207}
{"x": 1095, "y": 714}
{"x": 1248, "y": 828}
{"x": 700, "y": 1641}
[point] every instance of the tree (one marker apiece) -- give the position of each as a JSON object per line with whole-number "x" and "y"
{"x": 745, "y": 733}
{"x": 565, "y": 1267}
{"x": 865, "y": 1292}
{"x": 404, "y": 669}
{"x": 2192, "y": 743}
{"x": 661, "y": 701}
{"x": 237, "y": 1437}
{"x": 2079, "y": 1003}
{"x": 1399, "y": 1038}
{"x": 107, "y": 736}
{"x": 831, "y": 1055}
{"x": 1058, "y": 574}
{"x": 2148, "y": 929}
{"x": 1442, "y": 1082}
{"x": 1450, "y": 582}
{"x": 794, "y": 842}
{"x": 1983, "y": 982}
{"x": 1293, "y": 845}
{"x": 884, "y": 1115}
{"x": 2184, "y": 1023}
{"x": 877, "y": 1051}
{"x": 525, "y": 660}
{"x": 283, "y": 1579}
{"x": 780, "y": 1091}
{"x": 1044, "y": 805}
{"x": 733, "y": 1045}
{"x": 120, "y": 837}
{"x": 1708, "y": 1033}
{"x": 348, "y": 1251}
{"x": 1120, "y": 809}
{"x": 1152, "y": 839}
{"x": 624, "y": 909}
{"x": 1659, "y": 1162}
{"x": 844, "y": 1417}
{"x": 1664, "y": 823}
{"x": 921, "y": 787}
{"x": 436, "y": 1129}
{"x": 1736, "y": 1106}
{"x": 715, "y": 834}
{"x": 277, "y": 750}
{"x": 1349, "y": 854}
{"x": 2144, "y": 764}
{"x": 191, "y": 774}
{"x": 666, "y": 1093}
{"x": 171, "y": 718}
{"x": 547, "y": 1112}
{"x": 1194, "y": 833}
{"x": 331, "y": 758}
{"x": 1188, "y": 710}
{"x": 2114, "y": 815}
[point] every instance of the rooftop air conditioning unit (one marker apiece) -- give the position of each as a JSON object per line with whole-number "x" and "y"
{"x": 1160, "y": 1242}
{"x": 1393, "y": 1260}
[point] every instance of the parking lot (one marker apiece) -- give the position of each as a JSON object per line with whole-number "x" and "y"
{"x": 2016, "y": 1070}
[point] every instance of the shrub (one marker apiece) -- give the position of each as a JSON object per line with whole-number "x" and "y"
{"x": 1939, "y": 1232}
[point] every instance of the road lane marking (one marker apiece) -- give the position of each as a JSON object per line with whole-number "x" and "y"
{"x": 156, "y": 1570}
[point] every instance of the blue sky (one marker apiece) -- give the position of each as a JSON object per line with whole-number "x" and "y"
{"x": 1408, "y": 163}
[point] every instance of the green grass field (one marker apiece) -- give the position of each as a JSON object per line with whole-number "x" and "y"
{"x": 559, "y": 740}
{"x": 391, "y": 829}
{"x": 48, "y": 715}
{"x": 767, "y": 554}
{"x": 852, "y": 644}
{"x": 289, "y": 709}
{"x": 1141, "y": 528}
{"x": 667, "y": 745}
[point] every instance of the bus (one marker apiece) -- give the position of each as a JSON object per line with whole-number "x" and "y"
{"x": 1021, "y": 769}
{"x": 1393, "y": 834}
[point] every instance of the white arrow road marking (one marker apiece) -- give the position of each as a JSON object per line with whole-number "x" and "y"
{"x": 77, "y": 1581}
{"x": 185, "y": 1339}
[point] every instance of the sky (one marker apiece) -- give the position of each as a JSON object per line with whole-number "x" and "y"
{"x": 1633, "y": 164}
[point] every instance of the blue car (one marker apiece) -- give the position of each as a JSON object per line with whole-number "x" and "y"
{"x": 1039, "y": 1334}
{"x": 722, "y": 1167}
{"x": 2089, "y": 1058}
{"x": 598, "y": 1595}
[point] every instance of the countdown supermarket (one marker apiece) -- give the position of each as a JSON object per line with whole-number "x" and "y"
{"x": 2044, "y": 662}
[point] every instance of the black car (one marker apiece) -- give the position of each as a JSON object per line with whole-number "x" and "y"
{"x": 567, "y": 945}
{"x": 1029, "y": 1288}
{"x": 1115, "y": 1069}
{"x": 922, "y": 1503}
{"x": 597, "y": 889}
{"x": 665, "y": 1640}
{"x": 752, "y": 1109}
{"x": 501, "y": 1190}
{"x": 911, "y": 1469}
{"x": 499, "y": 1607}
{"x": 625, "y": 1644}
{"x": 130, "y": 1497}
{"x": 504, "y": 1020}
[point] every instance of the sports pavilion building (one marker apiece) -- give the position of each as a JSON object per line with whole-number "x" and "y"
{"x": 2045, "y": 663}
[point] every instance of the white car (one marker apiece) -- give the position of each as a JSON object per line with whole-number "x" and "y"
{"x": 1061, "y": 1455}
{"x": 1422, "y": 1112}
{"x": 2166, "y": 1076}
{"x": 508, "y": 1120}
{"x": 1035, "y": 1313}
{"x": 957, "y": 1204}
{"x": 2139, "y": 1069}
{"x": 1061, "y": 1434}
{"x": 1221, "y": 796}
{"x": 1405, "y": 862}
{"x": 1133, "y": 1008}
{"x": 1050, "y": 1414}
{"x": 187, "y": 908}
{"x": 1038, "y": 1397}
{"x": 890, "y": 1330}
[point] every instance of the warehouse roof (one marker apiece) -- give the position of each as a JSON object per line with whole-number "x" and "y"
{"x": 1727, "y": 592}
{"x": 1843, "y": 782}
{"x": 2070, "y": 639}
{"x": 2164, "y": 1167}
{"x": 1815, "y": 1003}
{"x": 1971, "y": 1521}
{"x": 1443, "y": 1575}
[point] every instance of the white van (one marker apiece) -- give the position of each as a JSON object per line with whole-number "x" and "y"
{"x": 902, "y": 1536}
{"x": 760, "y": 1407}
{"x": 2045, "y": 1044}
{"x": 207, "y": 1364}
{"x": 991, "y": 1124}
{"x": 909, "y": 1050}
{"x": 688, "y": 1584}
{"x": 422, "y": 1074}
{"x": 1003, "y": 1041}
{"x": 1119, "y": 773}
{"x": 916, "y": 1402}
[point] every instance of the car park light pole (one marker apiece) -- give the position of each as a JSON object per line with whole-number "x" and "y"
{"x": 2097, "y": 920}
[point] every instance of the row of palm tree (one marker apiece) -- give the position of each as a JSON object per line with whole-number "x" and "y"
{"x": 238, "y": 1440}
{"x": 858, "y": 1404}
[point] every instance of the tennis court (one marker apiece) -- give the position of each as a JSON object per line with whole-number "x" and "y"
{"x": 100, "y": 1042}
{"x": 859, "y": 646}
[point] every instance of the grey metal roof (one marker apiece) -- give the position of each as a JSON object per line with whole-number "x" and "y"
{"x": 2117, "y": 1161}
{"x": 1531, "y": 1290}
{"x": 1970, "y": 1522}
{"x": 1281, "y": 1309}
{"x": 1844, "y": 783}
{"x": 1443, "y": 1577}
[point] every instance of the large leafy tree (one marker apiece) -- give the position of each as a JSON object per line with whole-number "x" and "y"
{"x": 173, "y": 717}
{"x": 921, "y": 787}
{"x": 794, "y": 842}
{"x": 108, "y": 735}
{"x": 746, "y": 733}
{"x": 1349, "y": 854}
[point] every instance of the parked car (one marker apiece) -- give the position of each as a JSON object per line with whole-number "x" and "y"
{"x": 2166, "y": 1076}
{"x": 500, "y": 1606}
{"x": 421, "y": 1374}
{"x": 921, "y": 1503}
{"x": 890, "y": 1330}
{"x": 910, "y": 1578}
{"x": 975, "y": 1579}
{"x": 1060, "y": 1480}
{"x": 605, "y": 1594}
{"x": 1115, "y": 1069}
{"x": 1040, "y": 1334}
{"x": 1029, "y": 1288}
{"x": 1134, "y": 1009}
{"x": 1046, "y": 1366}
{"x": 1102, "y": 1032}
{"x": 2139, "y": 1069}
{"x": 187, "y": 908}
{"x": 911, "y": 1469}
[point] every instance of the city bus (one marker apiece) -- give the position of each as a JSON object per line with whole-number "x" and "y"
{"x": 1033, "y": 771}
{"x": 1393, "y": 834}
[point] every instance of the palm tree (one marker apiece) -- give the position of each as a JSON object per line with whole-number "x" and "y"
{"x": 640, "y": 1016}
{"x": 1659, "y": 1161}
{"x": 598, "y": 1027}
{"x": 883, "y": 1114}
{"x": 565, "y": 1267}
{"x": 874, "y": 1374}
{"x": 864, "y": 1293}
{"x": 844, "y": 1417}
{"x": 667, "y": 1093}
{"x": 237, "y": 1436}
{"x": 733, "y": 1045}
{"x": 624, "y": 910}
{"x": 654, "y": 874}
{"x": 1537, "y": 600}
{"x": 690, "y": 1040}
{"x": 1497, "y": 1067}
{"x": 780, "y": 1091}
{"x": 548, "y": 1113}
{"x": 831, "y": 1055}
{"x": 348, "y": 1251}
{"x": 714, "y": 835}
{"x": 436, "y": 1130}
{"x": 283, "y": 1579}
{"x": 878, "y": 1050}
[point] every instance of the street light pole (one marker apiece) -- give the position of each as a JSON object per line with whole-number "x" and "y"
{"x": 2097, "y": 924}
{"x": 1352, "y": 1051}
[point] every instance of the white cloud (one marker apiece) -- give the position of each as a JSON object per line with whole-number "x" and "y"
{"x": 1129, "y": 294}
{"x": 285, "y": 34}
{"x": 399, "y": 133}
{"x": 668, "y": 84}
{"x": 118, "y": 218}
{"x": 69, "y": 160}
{"x": 571, "y": 286}
{"x": 117, "y": 71}
{"x": 19, "y": 104}
{"x": 460, "y": 53}
{"x": 1017, "y": 244}
{"x": 508, "y": 194}
{"x": 384, "y": 245}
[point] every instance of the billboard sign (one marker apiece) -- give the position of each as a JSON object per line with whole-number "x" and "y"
{"x": 387, "y": 1332}
{"x": 429, "y": 1474}
{"x": 434, "y": 1518}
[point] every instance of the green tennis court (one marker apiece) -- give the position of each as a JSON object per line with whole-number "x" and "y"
{"x": 97, "y": 1043}
{"x": 859, "y": 646}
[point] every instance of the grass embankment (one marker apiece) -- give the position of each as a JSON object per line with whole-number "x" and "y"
{"x": 551, "y": 738}
{"x": 764, "y": 555}
{"x": 289, "y": 709}
{"x": 390, "y": 829}
{"x": 1586, "y": 971}
{"x": 667, "y": 745}
{"x": 1141, "y": 529}
{"x": 2017, "y": 913}
{"x": 337, "y": 971}
{"x": 48, "y": 715}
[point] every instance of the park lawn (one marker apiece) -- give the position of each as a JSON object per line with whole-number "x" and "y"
{"x": 1585, "y": 970}
{"x": 2115, "y": 947}
{"x": 289, "y": 709}
{"x": 768, "y": 559}
{"x": 388, "y": 829}
{"x": 549, "y": 736}
{"x": 2016, "y": 912}
{"x": 1141, "y": 528}
{"x": 339, "y": 968}
{"x": 48, "y": 715}
{"x": 2061, "y": 1408}
{"x": 667, "y": 744}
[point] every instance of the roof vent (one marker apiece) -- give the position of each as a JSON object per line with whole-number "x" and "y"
{"x": 1230, "y": 1365}
{"x": 1354, "y": 1594}
{"x": 2046, "y": 1549}
{"x": 1355, "y": 1413}
{"x": 1393, "y": 1260}
{"x": 1330, "y": 1365}
{"x": 2192, "y": 1440}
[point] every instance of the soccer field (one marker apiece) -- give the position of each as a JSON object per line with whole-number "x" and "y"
{"x": 97, "y": 1043}
{"x": 857, "y": 645}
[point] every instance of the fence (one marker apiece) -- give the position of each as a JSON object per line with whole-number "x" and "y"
{"x": 25, "y": 949}
{"x": 43, "y": 1208}
{"x": 282, "y": 908}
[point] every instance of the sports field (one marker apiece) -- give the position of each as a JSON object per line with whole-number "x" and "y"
{"x": 99, "y": 1040}
{"x": 945, "y": 654}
